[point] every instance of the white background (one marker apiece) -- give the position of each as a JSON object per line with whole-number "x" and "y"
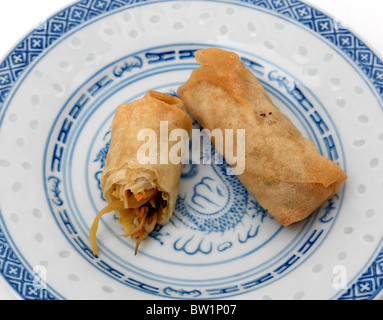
{"x": 18, "y": 17}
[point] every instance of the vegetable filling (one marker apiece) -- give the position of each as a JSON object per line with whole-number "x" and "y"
{"x": 138, "y": 213}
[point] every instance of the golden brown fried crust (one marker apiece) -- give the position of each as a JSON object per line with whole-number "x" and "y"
{"x": 283, "y": 170}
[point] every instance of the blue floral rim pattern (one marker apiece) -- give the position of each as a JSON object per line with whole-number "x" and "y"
{"x": 370, "y": 281}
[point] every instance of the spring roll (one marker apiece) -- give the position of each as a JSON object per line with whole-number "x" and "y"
{"x": 143, "y": 195}
{"x": 283, "y": 170}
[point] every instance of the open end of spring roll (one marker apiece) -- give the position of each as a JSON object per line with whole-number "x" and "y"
{"x": 283, "y": 170}
{"x": 143, "y": 194}
{"x": 138, "y": 211}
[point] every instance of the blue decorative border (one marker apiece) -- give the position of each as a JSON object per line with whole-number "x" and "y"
{"x": 69, "y": 18}
{"x": 14, "y": 272}
{"x": 369, "y": 283}
{"x": 19, "y": 275}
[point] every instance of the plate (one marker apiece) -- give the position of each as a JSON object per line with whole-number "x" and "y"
{"x": 59, "y": 89}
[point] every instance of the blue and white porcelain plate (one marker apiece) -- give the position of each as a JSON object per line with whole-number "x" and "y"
{"x": 59, "y": 89}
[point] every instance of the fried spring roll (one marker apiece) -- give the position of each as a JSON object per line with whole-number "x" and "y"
{"x": 144, "y": 194}
{"x": 283, "y": 170}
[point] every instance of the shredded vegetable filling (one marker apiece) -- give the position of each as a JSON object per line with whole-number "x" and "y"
{"x": 138, "y": 214}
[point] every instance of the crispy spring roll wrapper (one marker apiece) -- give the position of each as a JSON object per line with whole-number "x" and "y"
{"x": 283, "y": 170}
{"x": 144, "y": 194}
